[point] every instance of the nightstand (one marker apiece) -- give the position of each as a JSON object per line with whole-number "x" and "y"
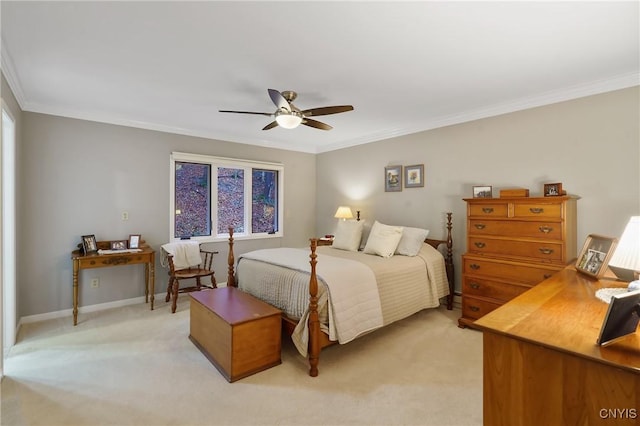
{"x": 325, "y": 241}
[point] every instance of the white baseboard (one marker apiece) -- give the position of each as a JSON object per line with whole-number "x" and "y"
{"x": 90, "y": 308}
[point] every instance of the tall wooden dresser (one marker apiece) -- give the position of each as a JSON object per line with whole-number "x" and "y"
{"x": 513, "y": 244}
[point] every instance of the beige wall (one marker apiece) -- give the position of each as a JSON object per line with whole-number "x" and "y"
{"x": 591, "y": 145}
{"x": 79, "y": 176}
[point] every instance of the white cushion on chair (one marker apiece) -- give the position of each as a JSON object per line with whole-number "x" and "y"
{"x": 185, "y": 253}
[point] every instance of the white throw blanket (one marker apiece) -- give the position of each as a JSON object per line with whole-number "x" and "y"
{"x": 185, "y": 253}
{"x": 354, "y": 302}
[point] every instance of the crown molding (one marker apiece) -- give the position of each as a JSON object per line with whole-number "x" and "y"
{"x": 6, "y": 65}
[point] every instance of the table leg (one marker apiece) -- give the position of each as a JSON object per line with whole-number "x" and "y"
{"x": 75, "y": 292}
{"x": 146, "y": 283}
{"x": 152, "y": 279}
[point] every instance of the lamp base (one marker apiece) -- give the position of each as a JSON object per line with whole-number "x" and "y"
{"x": 624, "y": 274}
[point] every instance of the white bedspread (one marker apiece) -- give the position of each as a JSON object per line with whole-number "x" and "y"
{"x": 354, "y": 302}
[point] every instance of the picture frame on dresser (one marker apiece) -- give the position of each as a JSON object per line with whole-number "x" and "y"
{"x": 552, "y": 189}
{"x": 134, "y": 241}
{"x": 118, "y": 245}
{"x": 482, "y": 191}
{"x": 393, "y": 178}
{"x": 595, "y": 254}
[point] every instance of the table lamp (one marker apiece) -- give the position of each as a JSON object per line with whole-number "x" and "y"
{"x": 625, "y": 262}
{"x": 344, "y": 213}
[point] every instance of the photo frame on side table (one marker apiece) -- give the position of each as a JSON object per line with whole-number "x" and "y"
{"x": 595, "y": 254}
{"x": 482, "y": 192}
{"x": 89, "y": 244}
{"x": 119, "y": 245}
{"x": 134, "y": 241}
{"x": 393, "y": 178}
{"x": 414, "y": 176}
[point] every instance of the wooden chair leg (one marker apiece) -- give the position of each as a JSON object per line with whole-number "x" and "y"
{"x": 174, "y": 298}
{"x": 213, "y": 281}
{"x": 169, "y": 290}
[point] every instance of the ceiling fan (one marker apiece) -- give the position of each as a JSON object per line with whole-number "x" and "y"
{"x": 289, "y": 116}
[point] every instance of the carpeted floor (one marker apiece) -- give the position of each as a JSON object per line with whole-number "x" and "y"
{"x": 132, "y": 366}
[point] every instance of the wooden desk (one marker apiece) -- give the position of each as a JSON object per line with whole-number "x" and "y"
{"x": 542, "y": 365}
{"x": 81, "y": 261}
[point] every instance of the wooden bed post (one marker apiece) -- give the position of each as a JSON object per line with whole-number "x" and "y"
{"x": 449, "y": 263}
{"x": 231, "y": 281}
{"x": 314, "y": 322}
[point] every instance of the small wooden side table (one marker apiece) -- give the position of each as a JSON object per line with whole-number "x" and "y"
{"x": 146, "y": 256}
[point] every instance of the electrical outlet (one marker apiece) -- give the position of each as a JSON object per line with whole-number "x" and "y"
{"x": 125, "y": 215}
{"x": 95, "y": 282}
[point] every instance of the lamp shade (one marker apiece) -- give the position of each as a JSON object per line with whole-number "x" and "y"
{"x": 344, "y": 213}
{"x": 625, "y": 262}
{"x": 288, "y": 120}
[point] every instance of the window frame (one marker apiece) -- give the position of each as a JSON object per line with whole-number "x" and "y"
{"x": 216, "y": 162}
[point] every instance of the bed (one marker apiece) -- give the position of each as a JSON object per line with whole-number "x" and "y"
{"x": 330, "y": 295}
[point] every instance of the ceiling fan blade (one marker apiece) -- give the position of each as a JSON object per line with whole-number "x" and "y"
{"x": 313, "y": 123}
{"x": 279, "y": 100}
{"x": 270, "y": 125}
{"x": 268, "y": 114}
{"x": 327, "y": 110}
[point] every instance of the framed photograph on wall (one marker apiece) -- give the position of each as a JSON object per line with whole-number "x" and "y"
{"x": 414, "y": 176}
{"x": 595, "y": 255}
{"x": 134, "y": 241}
{"x": 482, "y": 192}
{"x": 393, "y": 178}
{"x": 89, "y": 244}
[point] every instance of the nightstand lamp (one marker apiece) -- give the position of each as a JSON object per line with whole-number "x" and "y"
{"x": 344, "y": 213}
{"x": 625, "y": 262}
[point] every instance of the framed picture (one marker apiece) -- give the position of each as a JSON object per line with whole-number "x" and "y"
{"x": 119, "y": 245}
{"x": 414, "y": 176}
{"x": 89, "y": 244}
{"x": 482, "y": 192}
{"x": 595, "y": 255}
{"x": 393, "y": 178}
{"x": 552, "y": 189}
{"x": 134, "y": 241}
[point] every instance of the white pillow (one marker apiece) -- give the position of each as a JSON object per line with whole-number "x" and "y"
{"x": 348, "y": 235}
{"x": 411, "y": 241}
{"x": 383, "y": 239}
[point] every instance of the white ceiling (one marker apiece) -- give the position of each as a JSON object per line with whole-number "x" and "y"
{"x": 404, "y": 66}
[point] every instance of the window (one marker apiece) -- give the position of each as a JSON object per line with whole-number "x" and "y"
{"x": 210, "y": 194}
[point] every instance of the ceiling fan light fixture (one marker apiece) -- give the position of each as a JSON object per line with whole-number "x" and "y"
{"x": 288, "y": 120}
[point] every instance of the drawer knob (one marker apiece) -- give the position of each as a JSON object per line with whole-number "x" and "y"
{"x": 536, "y": 210}
{"x": 479, "y": 244}
{"x": 545, "y": 229}
{"x": 545, "y": 250}
{"x": 480, "y": 225}
{"x": 547, "y": 276}
{"x": 474, "y": 308}
{"x": 474, "y": 266}
{"x": 474, "y": 285}
{"x": 487, "y": 210}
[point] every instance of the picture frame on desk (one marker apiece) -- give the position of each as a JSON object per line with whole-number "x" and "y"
{"x": 134, "y": 241}
{"x": 89, "y": 244}
{"x": 595, "y": 254}
{"x": 119, "y": 245}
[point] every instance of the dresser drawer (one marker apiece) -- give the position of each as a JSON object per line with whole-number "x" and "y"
{"x": 508, "y": 271}
{"x": 489, "y": 209}
{"x": 551, "y": 210}
{"x": 473, "y": 308}
{"x": 472, "y": 286}
{"x": 530, "y": 249}
{"x": 513, "y": 228}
